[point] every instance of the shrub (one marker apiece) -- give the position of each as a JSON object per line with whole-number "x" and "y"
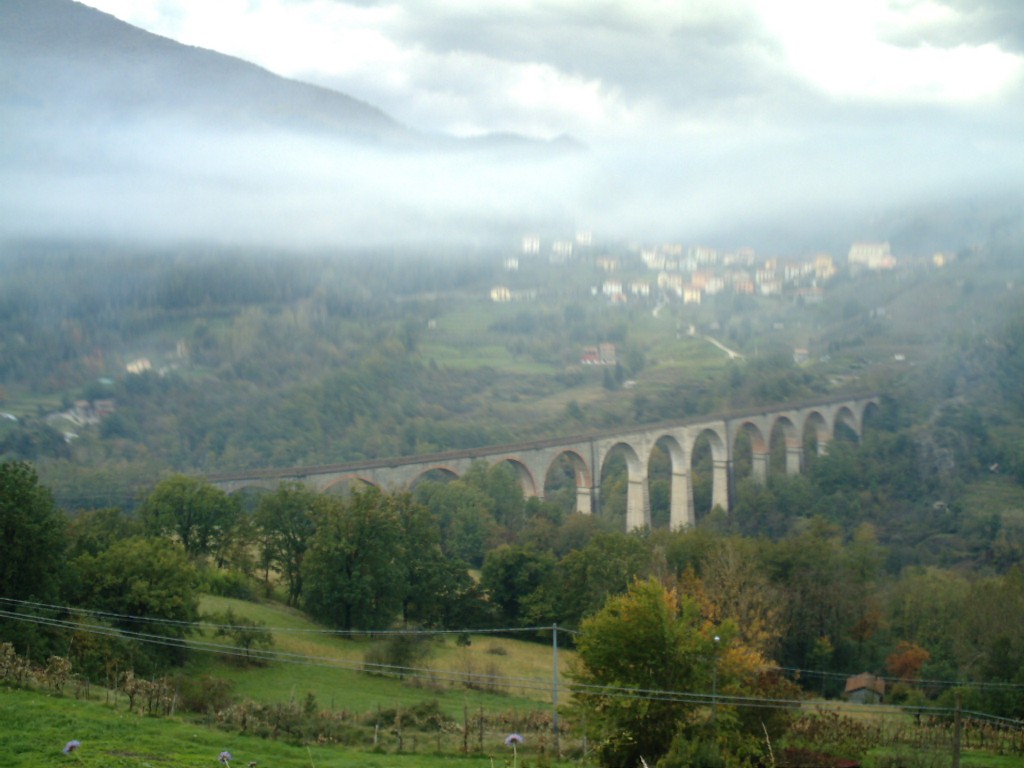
{"x": 203, "y": 693}
{"x": 396, "y": 655}
{"x": 423, "y": 716}
{"x": 215, "y": 581}
{"x": 250, "y": 637}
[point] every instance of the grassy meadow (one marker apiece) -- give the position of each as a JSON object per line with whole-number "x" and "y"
{"x": 35, "y": 726}
{"x": 509, "y": 675}
{"x": 316, "y": 672}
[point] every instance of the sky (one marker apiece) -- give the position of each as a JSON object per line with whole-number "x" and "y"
{"x": 694, "y": 110}
{"x": 603, "y": 70}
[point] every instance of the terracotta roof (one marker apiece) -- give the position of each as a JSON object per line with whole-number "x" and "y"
{"x": 865, "y": 680}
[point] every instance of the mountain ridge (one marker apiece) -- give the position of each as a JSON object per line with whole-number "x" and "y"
{"x": 66, "y": 61}
{"x": 115, "y": 133}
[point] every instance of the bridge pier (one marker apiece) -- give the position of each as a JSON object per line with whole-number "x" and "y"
{"x": 638, "y": 505}
{"x": 759, "y": 466}
{"x": 720, "y": 483}
{"x": 681, "y": 504}
{"x": 585, "y": 499}
{"x": 794, "y": 459}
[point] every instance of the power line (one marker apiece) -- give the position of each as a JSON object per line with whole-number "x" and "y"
{"x": 450, "y": 676}
{"x": 470, "y": 679}
{"x": 261, "y": 654}
{"x": 432, "y": 674}
{"x": 344, "y": 633}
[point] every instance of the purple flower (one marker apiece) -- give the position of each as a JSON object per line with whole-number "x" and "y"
{"x": 71, "y": 746}
{"x": 225, "y": 757}
{"x": 513, "y": 739}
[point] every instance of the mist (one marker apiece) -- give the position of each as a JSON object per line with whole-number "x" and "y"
{"x": 174, "y": 181}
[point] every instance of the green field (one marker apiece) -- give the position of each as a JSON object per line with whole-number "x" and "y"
{"x": 34, "y": 727}
{"x": 510, "y": 676}
{"x": 316, "y": 672}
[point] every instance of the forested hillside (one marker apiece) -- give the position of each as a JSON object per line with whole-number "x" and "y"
{"x": 218, "y": 360}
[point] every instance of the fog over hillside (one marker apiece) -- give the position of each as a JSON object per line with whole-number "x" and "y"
{"x": 423, "y": 122}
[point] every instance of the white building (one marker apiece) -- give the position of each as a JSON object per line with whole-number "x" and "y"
{"x": 871, "y": 256}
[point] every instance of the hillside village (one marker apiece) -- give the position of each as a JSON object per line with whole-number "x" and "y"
{"x": 691, "y": 273}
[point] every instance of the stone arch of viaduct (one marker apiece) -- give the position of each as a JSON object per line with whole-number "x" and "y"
{"x": 808, "y": 426}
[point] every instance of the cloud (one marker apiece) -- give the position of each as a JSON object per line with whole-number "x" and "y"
{"x": 978, "y": 22}
{"x": 164, "y": 180}
{"x": 608, "y": 69}
{"x": 700, "y": 117}
{"x": 876, "y": 51}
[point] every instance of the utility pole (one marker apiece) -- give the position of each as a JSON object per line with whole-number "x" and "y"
{"x": 957, "y": 729}
{"x": 714, "y": 687}
{"x": 554, "y": 688}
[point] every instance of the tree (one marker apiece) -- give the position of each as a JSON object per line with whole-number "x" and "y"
{"x": 925, "y": 606}
{"x": 987, "y": 637}
{"x": 906, "y": 661}
{"x": 607, "y": 565}
{"x": 33, "y": 439}
{"x": 512, "y": 575}
{"x": 646, "y": 641}
{"x": 285, "y": 519}
{"x": 355, "y": 573}
{"x": 440, "y": 589}
{"x": 97, "y": 530}
{"x": 32, "y": 536}
{"x": 466, "y": 517}
{"x": 149, "y": 586}
{"x": 543, "y": 520}
{"x": 820, "y": 596}
{"x": 642, "y": 659}
{"x": 32, "y": 545}
{"x": 500, "y": 483}
{"x": 734, "y": 586}
{"x": 200, "y": 515}
{"x": 247, "y": 635}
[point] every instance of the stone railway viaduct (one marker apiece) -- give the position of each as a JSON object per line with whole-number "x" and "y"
{"x": 802, "y": 427}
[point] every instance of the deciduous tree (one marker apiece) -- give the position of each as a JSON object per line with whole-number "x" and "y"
{"x": 354, "y": 573}
{"x": 512, "y": 575}
{"x": 906, "y": 661}
{"x": 247, "y": 635}
{"x": 149, "y": 586}
{"x": 201, "y": 516}
{"x": 466, "y": 516}
{"x": 646, "y": 641}
{"x": 607, "y": 565}
{"x": 440, "y": 590}
{"x": 32, "y": 545}
{"x": 32, "y": 536}
{"x": 285, "y": 519}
